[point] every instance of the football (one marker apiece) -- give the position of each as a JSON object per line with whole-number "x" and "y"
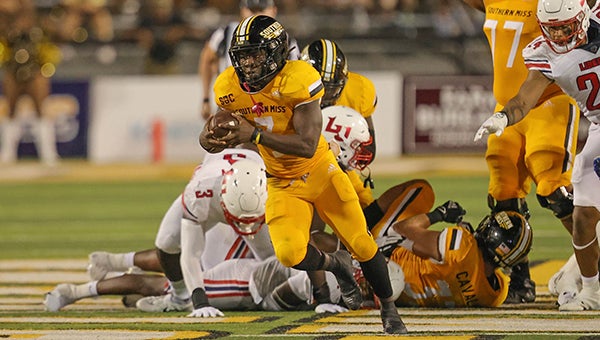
{"x": 220, "y": 123}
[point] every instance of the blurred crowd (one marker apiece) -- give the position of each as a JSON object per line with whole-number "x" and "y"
{"x": 159, "y": 26}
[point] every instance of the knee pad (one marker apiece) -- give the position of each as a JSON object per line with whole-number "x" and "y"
{"x": 290, "y": 255}
{"x": 363, "y": 247}
{"x": 513, "y": 204}
{"x": 560, "y": 202}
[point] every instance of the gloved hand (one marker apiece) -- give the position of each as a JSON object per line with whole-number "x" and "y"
{"x": 495, "y": 124}
{"x": 387, "y": 244}
{"x": 329, "y": 308}
{"x": 206, "y": 312}
{"x": 450, "y": 212}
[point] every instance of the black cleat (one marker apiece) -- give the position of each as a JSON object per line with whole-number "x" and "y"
{"x": 521, "y": 292}
{"x": 343, "y": 273}
{"x": 392, "y": 324}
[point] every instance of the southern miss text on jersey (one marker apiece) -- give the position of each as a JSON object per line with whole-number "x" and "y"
{"x": 458, "y": 280}
{"x": 359, "y": 93}
{"x": 511, "y": 23}
{"x": 297, "y": 83}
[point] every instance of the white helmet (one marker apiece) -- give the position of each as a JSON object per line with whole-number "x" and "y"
{"x": 350, "y": 131}
{"x": 243, "y": 196}
{"x": 569, "y": 17}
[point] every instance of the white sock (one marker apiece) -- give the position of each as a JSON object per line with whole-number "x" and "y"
{"x": 119, "y": 262}
{"x": 128, "y": 259}
{"x": 86, "y": 290}
{"x": 180, "y": 290}
{"x": 590, "y": 283}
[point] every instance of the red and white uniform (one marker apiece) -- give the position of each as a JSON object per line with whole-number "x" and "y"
{"x": 247, "y": 284}
{"x": 578, "y": 74}
{"x": 186, "y": 225}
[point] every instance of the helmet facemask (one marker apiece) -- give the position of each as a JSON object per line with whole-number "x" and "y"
{"x": 358, "y": 156}
{"x": 504, "y": 238}
{"x": 258, "y": 53}
{"x": 243, "y": 225}
{"x": 564, "y": 24}
{"x": 333, "y": 91}
{"x": 243, "y": 197}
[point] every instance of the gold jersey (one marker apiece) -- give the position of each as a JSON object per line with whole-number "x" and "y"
{"x": 458, "y": 280}
{"x": 359, "y": 94}
{"x": 509, "y": 26}
{"x": 297, "y": 83}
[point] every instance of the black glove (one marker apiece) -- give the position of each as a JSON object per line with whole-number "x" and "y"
{"x": 450, "y": 212}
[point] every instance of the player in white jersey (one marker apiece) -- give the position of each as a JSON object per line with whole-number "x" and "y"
{"x": 228, "y": 187}
{"x": 207, "y": 200}
{"x": 238, "y": 284}
{"x": 214, "y": 56}
{"x": 567, "y": 54}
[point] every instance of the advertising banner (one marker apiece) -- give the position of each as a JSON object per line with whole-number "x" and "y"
{"x": 442, "y": 113}
{"x": 68, "y": 106}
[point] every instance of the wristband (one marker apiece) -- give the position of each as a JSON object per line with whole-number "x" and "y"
{"x": 205, "y": 100}
{"x": 199, "y": 299}
{"x": 435, "y": 216}
{"x": 256, "y": 134}
{"x": 502, "y": 112}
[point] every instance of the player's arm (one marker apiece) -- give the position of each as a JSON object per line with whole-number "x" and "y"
{"x": 477, "y": 4}
{"x": 192, "y": 246}
{"x": 206, "y": 66}
{"x": 528, "y": 95}
{"x": 419, "y": 239}
{"x": 517, "y": 107}
{"x": 307, "y": 121}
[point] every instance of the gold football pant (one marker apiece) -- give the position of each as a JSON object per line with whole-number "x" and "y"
{"x": 291, "y": 204}
{"x": 541, "y": 148}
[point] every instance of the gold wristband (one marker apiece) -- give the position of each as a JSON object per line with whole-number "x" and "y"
{"x": 256, "y": 134}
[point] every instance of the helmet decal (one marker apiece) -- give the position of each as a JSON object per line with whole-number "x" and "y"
{"x": 504, "y": 238}
{"x": 350, "y": 131}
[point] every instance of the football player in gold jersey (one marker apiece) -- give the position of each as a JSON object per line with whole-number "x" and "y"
{"x": 450, "y": 267}
{"x": 455, "y": 267}
{"x": 536, "y": 148}
{"x": 277, "y": 108}
{"x": 345, "y": 88}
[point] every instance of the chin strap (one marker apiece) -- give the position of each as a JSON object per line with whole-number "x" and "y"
{"x": 368, "y": 180}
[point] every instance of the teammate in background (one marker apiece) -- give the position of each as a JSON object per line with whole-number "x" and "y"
{"x": 214, "y": 57}
{"x": 344, "y": 88}
{"x": 529, "y": 151}
{"x": 278, "y": 110}
{"x": 29, "y": 60}
{"x": 566, "y": 54}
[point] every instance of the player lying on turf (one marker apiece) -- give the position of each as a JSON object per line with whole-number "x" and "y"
{"x": 237, "y": 284}
{"x": 454, "y": 267}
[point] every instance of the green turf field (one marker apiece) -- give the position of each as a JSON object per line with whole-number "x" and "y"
{"x": 69, "y": 219}
{"x": 49, "y": 224}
